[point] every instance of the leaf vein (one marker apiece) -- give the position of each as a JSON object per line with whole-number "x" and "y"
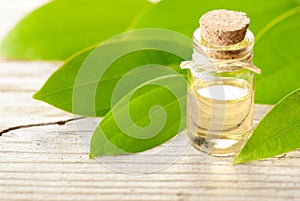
{"x": 276, "y": 136}
{"x": 276, "y": 21}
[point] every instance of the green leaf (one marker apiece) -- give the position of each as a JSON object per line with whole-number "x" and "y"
{"x": 59, "y": 88}
{"x": 277, "y": 133}
{"x": 278, "y": 57}
{"x": 148, "y": 116}
{"x": 274, "y": 24}
{"x": 84, "y": 85}
{"x": 61, "y": 28}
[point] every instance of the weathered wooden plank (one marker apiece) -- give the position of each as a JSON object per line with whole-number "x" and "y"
{"x": 89, "y": 180}
{"x": 36, "y": 164}
{"x": 19, "y": 81}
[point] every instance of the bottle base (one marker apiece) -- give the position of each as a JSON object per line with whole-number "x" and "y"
{"x": 217, "y": 145}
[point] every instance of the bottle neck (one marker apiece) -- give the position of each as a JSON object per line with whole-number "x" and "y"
{"x": 223, "y": 58}
{"x": 240, "y": 50}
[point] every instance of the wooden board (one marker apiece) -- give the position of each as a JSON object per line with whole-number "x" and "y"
{"x": 45, "y": 159}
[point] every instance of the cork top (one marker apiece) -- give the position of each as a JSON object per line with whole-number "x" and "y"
{"x": 224, "y": 27}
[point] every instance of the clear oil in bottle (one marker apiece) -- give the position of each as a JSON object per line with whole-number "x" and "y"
{"x": 220, "y": 114}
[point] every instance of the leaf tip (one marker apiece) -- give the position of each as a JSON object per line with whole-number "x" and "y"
{"x": 237, "y": 160}
{"x": 241, "y": 158}
{"x": 36, "y": 95}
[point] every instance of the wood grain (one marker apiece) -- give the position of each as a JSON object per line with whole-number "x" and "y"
{"x": 50, "y": 162}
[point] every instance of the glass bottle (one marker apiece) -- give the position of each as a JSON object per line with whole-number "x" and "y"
{"x": 220, "y": 95}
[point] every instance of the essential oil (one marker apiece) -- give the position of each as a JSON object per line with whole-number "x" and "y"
{"x": 220, "y": 94}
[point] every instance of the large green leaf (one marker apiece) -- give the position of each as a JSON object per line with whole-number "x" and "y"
{"x": 148, "y": 116}
{"x": 183, "y": 16}
{"x": 274, "y": 22}
{"x": 276, "y": 53}
{"x": 61, "y": 28}
{"x": 84, "y": 85}
{"x": 58, "y": 90}
{"x": 277, "y": 133}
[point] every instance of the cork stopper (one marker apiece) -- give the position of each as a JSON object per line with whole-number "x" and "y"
{"x": 224, "y": 27}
